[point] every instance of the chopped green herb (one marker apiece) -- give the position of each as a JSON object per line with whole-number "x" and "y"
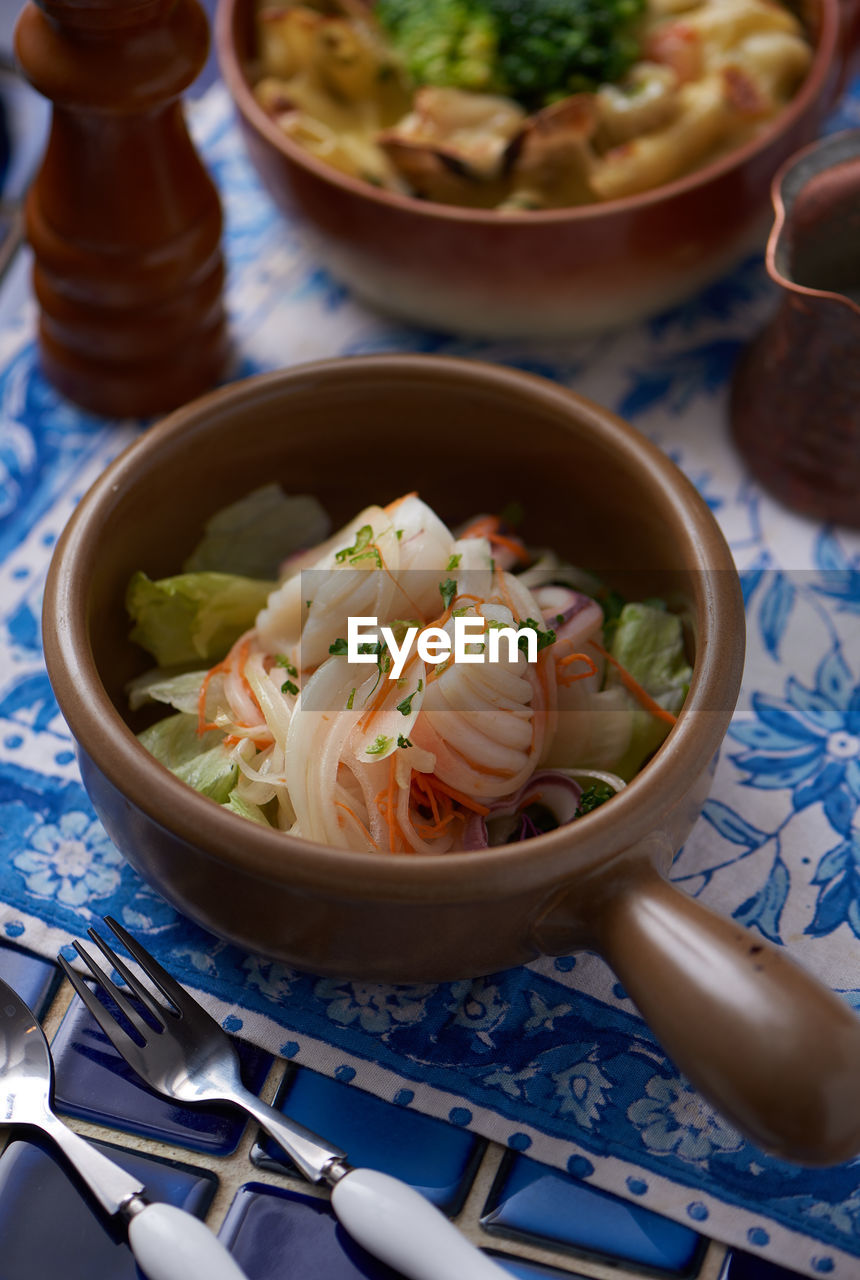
{"x": 454, "y": 562}
{"x": 400, "y": 626}
{"x": 593, "y": 797}
{"x": 350, "y": 700}
{"x": 308, "y": 604}
{"x": 286, "y": 664}
{"x": 398, "y": 533}
{"x": 380, "y": 745}
{"x": 383, "y": 657}
{"x": 340, "y": 648}
{"x": 559, "y": 619}
{"x": 289, "y": 687}
{"x": 405, "y": 707}
{"x": 361, "y": 549}
{"x": 403, "y": 742}
{"x": 544, "y": 638}
{"x": 447, "y": 590}
{"x": 372, "y": 553}
{"x": 612, "y": 603}
{"x": 362, "y": 538}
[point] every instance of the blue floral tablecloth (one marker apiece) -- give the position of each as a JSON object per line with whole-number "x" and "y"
{"x": 552, "y": 1059}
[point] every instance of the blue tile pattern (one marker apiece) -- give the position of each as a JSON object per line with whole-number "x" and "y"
{"x": 94, "y": 1083}
{"x": 531, "y": 1270}
{"x": 435, "y": 1158}
{"x": 746, "y": 1266}
{"x": 33, "y": 978}
{"x": 282, "y": 1235}
{"x": 535, "y": 1201}
{"x": 50, "y": 1231}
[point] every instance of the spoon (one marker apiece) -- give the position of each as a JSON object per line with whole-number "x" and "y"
{"x": 167, "y": 1242}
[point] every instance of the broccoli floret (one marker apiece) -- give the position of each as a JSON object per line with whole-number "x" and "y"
{"x": 551, "y": 48}
{"x": 533, "y": 50}
{"x": 444, "y": 42}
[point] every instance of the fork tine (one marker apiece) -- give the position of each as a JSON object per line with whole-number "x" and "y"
{"x": 119, "y": 1038}
{"x": 184, "y": 1003}
{"x": 145, "y": 997}
{"x": 118, "y": 996}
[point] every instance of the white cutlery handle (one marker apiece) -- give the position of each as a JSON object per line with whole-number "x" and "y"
{"x": 170, "y": 1244}
{"x": 398, "y": 1225}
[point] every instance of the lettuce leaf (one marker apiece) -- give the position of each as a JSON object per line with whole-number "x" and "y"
{"x": 175, "y": 740}
{"x": 193, "y": 616}
{"x": 245, "y": 809}
{"x": 253, "y": 536}
{"x": 179, "y": 690}
{"x": 200, "y": 760}
{"x": 648, "y": 641}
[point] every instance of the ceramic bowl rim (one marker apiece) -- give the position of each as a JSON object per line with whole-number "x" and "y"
{"x": 101, "y": 733}
{"x": 256, "y": 118}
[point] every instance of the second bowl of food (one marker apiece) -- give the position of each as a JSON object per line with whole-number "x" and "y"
{"x": 459, "y": 175}
{"x": 392, "y": 816}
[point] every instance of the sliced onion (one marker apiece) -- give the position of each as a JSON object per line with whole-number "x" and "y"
{"x": 554, "y": 790}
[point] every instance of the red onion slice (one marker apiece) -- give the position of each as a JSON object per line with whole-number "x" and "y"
{"x": 552, "y": 790}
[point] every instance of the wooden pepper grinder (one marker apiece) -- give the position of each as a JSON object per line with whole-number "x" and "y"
{"x": 123, "y": 219}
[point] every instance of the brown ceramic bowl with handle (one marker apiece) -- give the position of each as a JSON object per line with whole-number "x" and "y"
{"x": 538, "y": 273}
{"x": 771, "y": 1047}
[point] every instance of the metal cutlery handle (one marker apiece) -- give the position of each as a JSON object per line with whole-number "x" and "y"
{"x": 109, "y": 1183}
{"x": 318, "y": 1160}
{"x": 168, "y": 1243}
{"x": 391, "y": 1220}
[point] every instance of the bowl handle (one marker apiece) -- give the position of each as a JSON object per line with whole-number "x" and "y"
{"x": 775, "y": 1051}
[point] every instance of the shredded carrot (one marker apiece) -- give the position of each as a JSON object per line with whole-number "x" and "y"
{"x": 466, "y": 801}
{"x": 261, "y": 738}
{"x": 513, "y": 545}
{"x": 393, "y": 505}
{"x": 481, "y": 527}
{"x": 569, "y": 678}
{"x": 375, "y": 707}
{"x": 427, "y": 833}
{"x": 446, "y": 614}
{"x": 442, "y": 815}
{"x": 202, "y": 723}
{"x": 225, "y": 665}
{"x": 488, "y": 527}
{"x": 386, "y": 804}
{"x": 391, "y": 816}
{"x": 419, "y": 782}
{"x": 340, "y": 805}
{"x": 633, "y": 686}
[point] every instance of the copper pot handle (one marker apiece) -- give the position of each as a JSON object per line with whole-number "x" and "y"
{"x": 775, "y": 1051}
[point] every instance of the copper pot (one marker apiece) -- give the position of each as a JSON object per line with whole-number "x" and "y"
{"x": 795, "y": 404}
{"x": 775, "y": 1051}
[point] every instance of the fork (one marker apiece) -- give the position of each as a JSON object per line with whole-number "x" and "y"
{"x": 190, "y": 1058}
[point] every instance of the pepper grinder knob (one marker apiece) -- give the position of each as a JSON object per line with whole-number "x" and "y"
{"x": 123, "y": 219}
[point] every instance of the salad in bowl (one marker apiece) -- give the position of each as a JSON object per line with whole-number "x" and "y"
{"x": 400, "y": 687}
